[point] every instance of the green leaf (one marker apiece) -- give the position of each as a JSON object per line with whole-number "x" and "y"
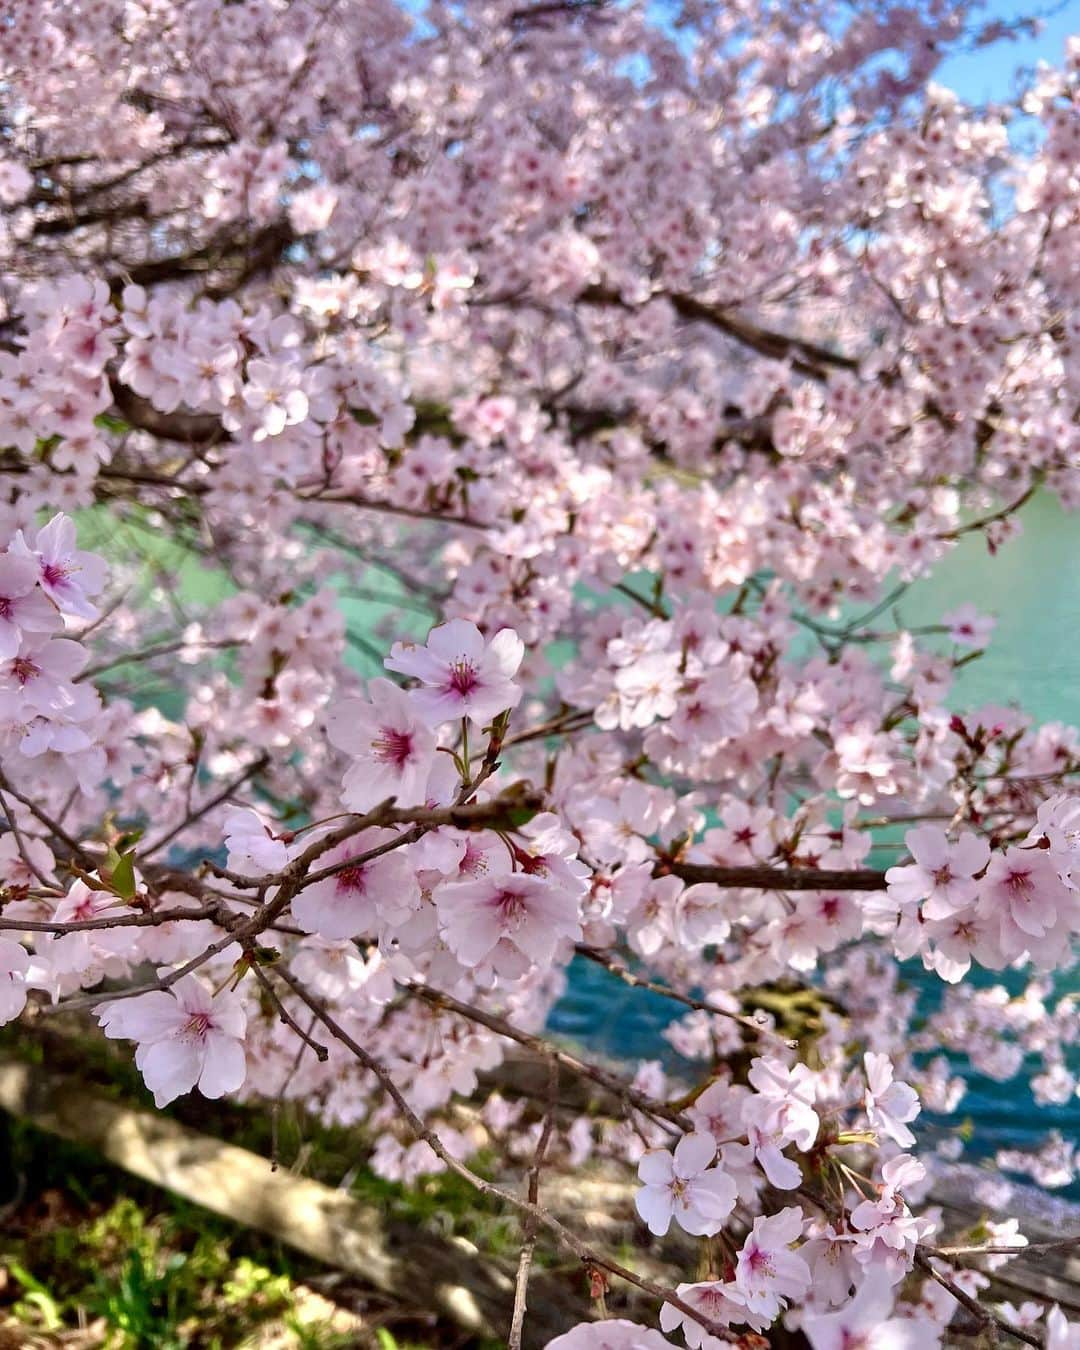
{"x": 118, "y": 873}
{"x": 123, "y": 877}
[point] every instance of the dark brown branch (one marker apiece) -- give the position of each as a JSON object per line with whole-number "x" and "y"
{"x": 189, "y": 428}
{"x": 779, "y": 878}
{"x": 809, "y": 358}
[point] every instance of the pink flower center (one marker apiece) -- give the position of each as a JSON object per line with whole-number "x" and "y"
{"x": 55, "y": 574}
{"x": 511, "y": 906}
{"x": 6, "y": 606}
{"x": 196, "y": 1027}
{"x": 463, "y": 678}
{"x": 761, "y": 1263}
{"x": 854, "y": 1340}
{"x": 393, "y": 747}
{"x": 943, "y": 875}
{"x": 351, "y": 878}
{"x": 1018, "y": 884}
{"x": 474, "y": 863}
{"x": 24, "y": 669}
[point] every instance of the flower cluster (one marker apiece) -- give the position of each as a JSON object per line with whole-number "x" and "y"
{"x": 615, "y": 379}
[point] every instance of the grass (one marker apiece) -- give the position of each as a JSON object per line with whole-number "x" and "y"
{"x": 88, "y": 1248}
{"x": 92, "y": 1245}
{"x": 92, "y": 1258}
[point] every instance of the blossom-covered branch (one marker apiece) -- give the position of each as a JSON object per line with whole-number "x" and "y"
{"x": 455, "y": 468}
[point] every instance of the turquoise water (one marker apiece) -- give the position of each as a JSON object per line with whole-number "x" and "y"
{"x": 1032, "y": 587}
{"x": 1033, "y": 661}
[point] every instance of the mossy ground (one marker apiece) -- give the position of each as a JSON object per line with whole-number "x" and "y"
{"x": 91, "y": 1257}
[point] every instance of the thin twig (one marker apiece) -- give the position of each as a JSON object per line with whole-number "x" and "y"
{"x": 616, "y": 967}
{"x": 24, "y": 852}
{"x": 226, "y": 792}
{"x": 984, "y": 1316}
{"x": 565, "y": 1236}
{"x": 51, "y": 825}
{"x": 529, "y": 1226}
{"x": 149, "y": 654}
{"x": 321, "y": 1052}
{"x": 611, "y": 1082}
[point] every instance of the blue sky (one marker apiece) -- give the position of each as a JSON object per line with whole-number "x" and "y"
{"x": 987, "y": 74}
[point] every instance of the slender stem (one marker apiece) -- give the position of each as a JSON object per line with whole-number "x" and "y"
{"x": 226, "y": 792}
{"x": 24, "y": 852}
{"x": 565, "y": 1236}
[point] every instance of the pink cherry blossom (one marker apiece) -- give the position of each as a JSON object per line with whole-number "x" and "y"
{"x": 68, "y": 575}
{"x": 544, "y": 328}
{"x": 890, "y": 1104}
{"x": 274, "y": 397}
{"x": 716, "y": 1301}
{"x": 865, "y": 1322}
{"x": 363, "y": 895}
{"x": 942, "y": 876}
{"x": 767, "y": 1273}
{"x": 968, "y": 627}
{"x": 252, "y": 849}
{"x": 186, "y": 1036}
{"x": 1023, "y": 890}
{"x": 14, "y": 965}
{"x": 611, "y": 1334}
{"x": 23, "y": 607}
{"x": 392, "y": 748}
{"x": 685, "y": 1187}
{"x": 15, "y": 182}
{"x": 1061, "y": 1334}
{"x": 461, "y": 674}
{"x": 512, "y": 920}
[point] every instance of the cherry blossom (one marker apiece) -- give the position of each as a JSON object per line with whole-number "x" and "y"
{"x": 1061, "y": 1334}
{"x": 251, "y": 846}
{"x": 612, "y": 1334}
{"x": 186, "y": 1036}
{"x": 69, "y": 576}
{"x": 942, "y": 875}
{"x": 391, "y": 747}
{"x": 363, "y": 894}
{"x": 889, "y": 1103}
{"x": 684, "y": 1186}
{"x": 767, "y": 1273}
{"x": 461, "y": 674}
{"x": 641, "y": 362}
{"x": 511, "y": 920}
{"x": 14, "y": 965}
{"x": 716, "y": 1302}
{"x": 274, "y": 397}
{"x": 24, "y": 608}
{"x": 865, "y": 1321}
